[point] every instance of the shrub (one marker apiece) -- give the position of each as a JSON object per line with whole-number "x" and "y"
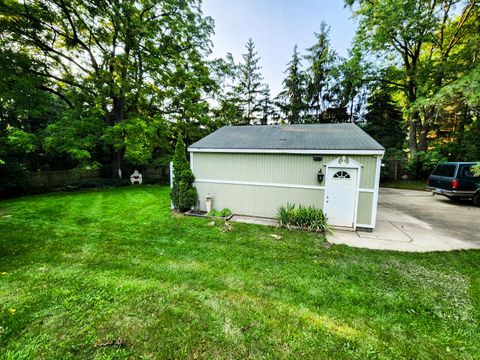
{"x": 226, "y": 212}
{"x": 216, "y": 213}
{"x": 183, "y": 193}
{"x": 422, "y": 164}
{"x": 476, "y": 169}
{"x": 187, "y": 193}
{"x": 308, "y": 218}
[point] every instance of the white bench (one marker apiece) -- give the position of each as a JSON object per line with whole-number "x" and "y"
{"x": 136, "y": 178}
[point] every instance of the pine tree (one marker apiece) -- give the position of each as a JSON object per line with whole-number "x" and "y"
{"x": 291, "y": 99}
{"x": 384, "y": 119}
{"x": 266, "y": 105}
{"x": 321, "y": 60}
{"x": 250, "y": 84}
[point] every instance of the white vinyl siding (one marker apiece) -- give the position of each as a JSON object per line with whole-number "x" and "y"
{"x": 257, "y": 184}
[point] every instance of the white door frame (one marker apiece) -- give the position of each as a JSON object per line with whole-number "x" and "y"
{"x": 344, "y": 162}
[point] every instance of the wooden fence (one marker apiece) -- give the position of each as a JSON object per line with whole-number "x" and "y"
{"x": 60, "y": 178}
{"x": 394, "y": 169}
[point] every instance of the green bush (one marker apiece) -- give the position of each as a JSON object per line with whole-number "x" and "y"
{"x": 226, "y": 212}
{"x": 187, "y": 192}
{"x": 308, "y": 218}
{"x": 217, "y": 213}
{"x": 421, "y": 165}
{"x": 183, "y": 193}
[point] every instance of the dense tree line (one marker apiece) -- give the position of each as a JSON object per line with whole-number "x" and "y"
{"x": 87, "y": 84}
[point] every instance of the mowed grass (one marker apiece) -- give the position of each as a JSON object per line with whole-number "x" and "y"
{"x": 90, "y": 267}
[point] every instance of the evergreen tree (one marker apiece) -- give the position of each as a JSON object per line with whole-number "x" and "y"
{"x": 384, "y": 119}
{"x": 183, "y": 194}
{"x": 266, "y": 105}
{"x": 291, "y": 99}
{"x": 321, "y": 60}
{"x": 250, "y": 84}
{"x": 349, "y": 88}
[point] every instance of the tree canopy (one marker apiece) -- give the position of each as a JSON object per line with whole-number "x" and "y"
{"x": 108, "y": 84}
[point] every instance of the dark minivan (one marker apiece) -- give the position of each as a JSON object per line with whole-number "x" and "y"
{"x": 455, "y": 180}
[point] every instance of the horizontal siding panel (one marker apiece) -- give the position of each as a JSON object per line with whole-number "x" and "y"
{"x": 272, "y": 168}
{"x": 261, "y": 201}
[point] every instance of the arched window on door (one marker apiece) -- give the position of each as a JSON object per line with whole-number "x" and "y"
{"x": 341, "y": 175}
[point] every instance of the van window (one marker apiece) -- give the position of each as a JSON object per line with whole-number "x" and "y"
{"x": 444, "y": 170}
{"x": 466, "y": 172}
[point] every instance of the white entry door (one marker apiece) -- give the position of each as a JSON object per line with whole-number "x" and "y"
{"x": 340, "y": 195}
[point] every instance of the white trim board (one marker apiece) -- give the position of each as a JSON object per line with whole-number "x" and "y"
{"x": 375, "y": 194}
{"x": 248, "y": 183}
{"x": 290, "y": 151}
{"x": 366, "y": 190}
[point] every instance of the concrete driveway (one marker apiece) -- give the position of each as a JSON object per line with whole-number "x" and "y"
{"x": 416, "y": 221}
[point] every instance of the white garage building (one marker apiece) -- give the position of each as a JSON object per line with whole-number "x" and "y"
{"x": 252, "y": 170}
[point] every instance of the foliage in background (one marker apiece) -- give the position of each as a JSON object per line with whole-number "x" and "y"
{"x": 427, "y": 44}
{"x": 320, "y": 59}
{"x": 101, "y": 84}
{"x": 420, "y": 165}
{"x": 291, "y": 100}
{"x": 383, "y": 119}
{"x": 476, "y": 169}
{"x": 249, "y": 87}
{"x": 123, "y": 64}
{"x": 307, "y": 218}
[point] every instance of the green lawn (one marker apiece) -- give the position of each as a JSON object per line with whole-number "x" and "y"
{"x": 83, "y": 268}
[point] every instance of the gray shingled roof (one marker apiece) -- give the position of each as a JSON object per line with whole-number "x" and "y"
{"x": 289, "y": 137}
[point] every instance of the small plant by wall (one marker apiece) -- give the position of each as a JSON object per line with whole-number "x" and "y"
{"x": 307, "y": 218}
{"x": 217, "y": 213}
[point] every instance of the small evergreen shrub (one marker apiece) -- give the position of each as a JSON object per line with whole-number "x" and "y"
{"x": 187, "y": 192}
{"x": 308, "y": 218}
{"x": 183, "y": 193}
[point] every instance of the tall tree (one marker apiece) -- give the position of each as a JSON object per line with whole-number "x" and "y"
{"x": 350, "y": 82}
{"x": 422, "y": 36}
{"x": 321, "y": 59}
{"x": 383, "y": 120}
{"x": 291, "y": 99}
{"x": 229, "y": 103}
{"x": 118, "y": 61}
{"x": 250, "y": 83}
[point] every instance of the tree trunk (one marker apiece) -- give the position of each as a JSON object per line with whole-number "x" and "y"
{"x": 118, "y": 154}
{"x": 424, "y": 129}
{"x": 412, "y": 134}
{"x": 117, "y": 160}
{"x": 422, "y": 137}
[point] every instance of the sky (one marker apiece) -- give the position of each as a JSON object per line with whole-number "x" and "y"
{"x": 275, "y": 27}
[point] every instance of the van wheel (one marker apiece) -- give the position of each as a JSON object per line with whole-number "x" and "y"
{"x": 476, "y": 199}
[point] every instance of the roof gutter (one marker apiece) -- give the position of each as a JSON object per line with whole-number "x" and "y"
{"x": 289, "y": 151}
